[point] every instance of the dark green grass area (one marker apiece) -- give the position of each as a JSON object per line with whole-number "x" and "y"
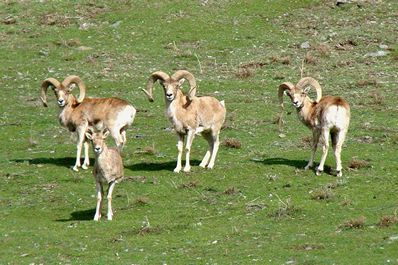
{"x": 258, "y": 205}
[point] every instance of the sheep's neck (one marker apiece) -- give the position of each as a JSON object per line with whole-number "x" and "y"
{"x": 305, "y": 113}
{"x": 176, "y": 112}
{"x": 66, "y": 113}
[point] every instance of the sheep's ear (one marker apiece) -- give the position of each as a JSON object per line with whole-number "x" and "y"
{"x": 181, "y": 81}
{"x": 89, "y": 136}
{"x": 106, "y": 133}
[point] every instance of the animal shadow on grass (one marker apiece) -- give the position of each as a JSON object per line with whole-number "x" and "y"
{"x": 151, "y": 166}
{"x": 85, "y": 215}
{"x": 58, "y": 161}
{"x": 300, "y": 164}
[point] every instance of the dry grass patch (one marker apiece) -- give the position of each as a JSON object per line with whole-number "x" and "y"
{"x": 356, "y": 163}
{"x": 365, "y": 83}
{"x": 323, "y": 193}
{"x": 142, "y": 200}
{"x": 231, "y": 191}
{"x": 388, "y": 220}
{"x": 309, "y": 59}
{"x": 354, "y": 223}
{"x": 232, "y": 143}
{"x": 323, "y": 49}
{"x": 285, "y": 209}
{"x": 283, "y": 59}
{"x": 245, "y": 72}
{"x": 189, "y": 185}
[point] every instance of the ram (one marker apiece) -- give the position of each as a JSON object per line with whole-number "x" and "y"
{"x": 190, "y": 115}
{"x": 326, "y": 116}
{"x": 108, "y": 168}
{"x": 78, "y": 113}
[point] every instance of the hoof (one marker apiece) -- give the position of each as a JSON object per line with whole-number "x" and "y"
{"x": 339, "y": 173}
{"x": 75, "y": 168}
{"x": 85, "y": 166}
{"x": 318, "y": 172}
{"x": 97, "y": 217}
{"x": 187, "y": 169}
{"x": 177, "y": 170}
{"x": 202, "y": 165}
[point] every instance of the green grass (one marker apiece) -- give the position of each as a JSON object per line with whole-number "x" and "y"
{"x": 257, "y": 206}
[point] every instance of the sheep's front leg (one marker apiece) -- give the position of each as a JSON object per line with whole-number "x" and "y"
{"x": 100, "y": 192}
{"x": 325, "y": 148}
{"x": 86, "y": 162}
{"x": 80, "y": 140}
{"x": 180, "y": 146}
{"x": 315, "y": 140}
{"x": 109, "y": 197}
{"x": 190, "y": 137}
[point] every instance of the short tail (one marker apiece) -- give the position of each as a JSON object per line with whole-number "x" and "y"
{"x": 222, "y": 102}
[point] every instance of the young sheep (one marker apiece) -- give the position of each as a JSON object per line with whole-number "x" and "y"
{"x": 190, "y": 115}
{"x": 76, "y": 114}
{"x": 108, "y": 168}
{"x": 326, "y": 116}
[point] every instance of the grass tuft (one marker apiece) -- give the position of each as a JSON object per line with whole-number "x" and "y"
{"x": 231, "y": 191}
{"x": 232, "y": 143}
{"x": 189, "y": 185}
{"x": 323, "y": 193}
{"x": 388, "y": 220}
{"x": 356, "y": 163}
{"x": 354, "y": 223}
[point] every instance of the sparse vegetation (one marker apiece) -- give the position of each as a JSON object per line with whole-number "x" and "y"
{"x": 230, "y": 214}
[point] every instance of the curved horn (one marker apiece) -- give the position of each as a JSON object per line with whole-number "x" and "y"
{"x": 282, "y": 88}
{"x": 309, "y": 81}
{"x": 152, "y": 79}
{"x": 74, "y": 79}
{"x": 191, "y": 79}
{"x": 46, "y": 83}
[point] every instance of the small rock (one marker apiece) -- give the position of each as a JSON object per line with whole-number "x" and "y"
{"x": 383, "y": 46}
{"x": 305, "y": 45}
{"x": 377, "y": 54}
{"x": 84, "y": 48}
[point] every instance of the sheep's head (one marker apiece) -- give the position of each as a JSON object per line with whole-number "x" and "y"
{"x": 171, "y": 85}
{"x": 63, "y": 91}
{"x": 298, "y": 93}
{"x": 98, "y": 138}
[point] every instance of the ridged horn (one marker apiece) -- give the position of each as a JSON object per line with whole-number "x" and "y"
{"x": 46, "y": 83}
{"x": 155, "y": 76}
{"x": 282, "y": 88}
{"x": 74, "y": 79}
{"x": 309, "y": 81}
{"x": 191, "y": 79}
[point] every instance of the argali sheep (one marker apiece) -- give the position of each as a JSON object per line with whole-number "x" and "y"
{"x": 78, "y": 113}
{"x": 108, "y": 168}
{"x": 326, "y": 116}
{"x": 190, "y": 115}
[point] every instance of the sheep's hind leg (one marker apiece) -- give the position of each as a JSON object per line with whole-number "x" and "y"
{"x": 315, "y": 140}
{"x": 216, "y": 143}
{"x": 206, "y": 158}
{"x": 325, "y": 148}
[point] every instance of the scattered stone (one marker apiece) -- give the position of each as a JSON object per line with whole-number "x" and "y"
{"x": 377, "y": 54}
{"x": 84, "y": 48}
{"x": 305, "y": 45}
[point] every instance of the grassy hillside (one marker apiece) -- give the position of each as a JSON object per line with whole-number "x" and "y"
{"x": 258, "y": 205}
